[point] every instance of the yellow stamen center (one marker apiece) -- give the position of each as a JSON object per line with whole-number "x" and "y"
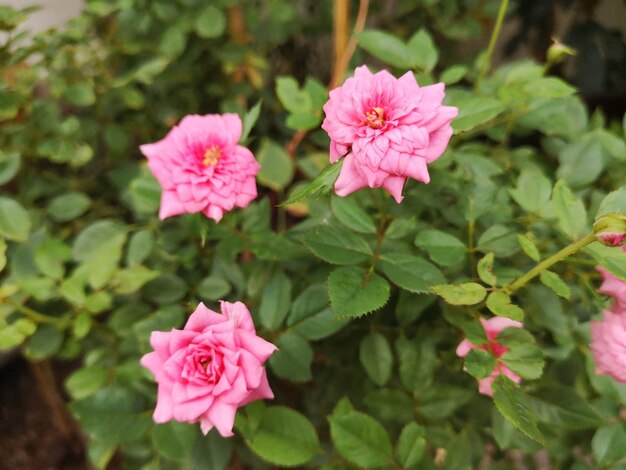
{"x": 211, "y": 156}
{"x": 375, "y": 118}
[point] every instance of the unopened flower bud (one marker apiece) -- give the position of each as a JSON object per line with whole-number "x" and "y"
{"x": 610, "y": 229}
{"x": 558, "y": 51}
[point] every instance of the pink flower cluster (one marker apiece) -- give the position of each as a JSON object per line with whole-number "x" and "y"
{"x": 211, "y": 367}
{"x": 608, "y": 335}
{"x": 387, "y": 129}
{"x": 492, "y": 328}
{"x": 202, "y": 168}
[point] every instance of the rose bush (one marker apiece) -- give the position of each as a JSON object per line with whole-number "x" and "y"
{"x": 384, "y": 310}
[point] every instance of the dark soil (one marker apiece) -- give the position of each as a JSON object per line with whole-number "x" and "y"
{"x": 33, "y": 435}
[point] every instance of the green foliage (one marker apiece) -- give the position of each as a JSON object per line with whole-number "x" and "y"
{"x": 87, "y": 270}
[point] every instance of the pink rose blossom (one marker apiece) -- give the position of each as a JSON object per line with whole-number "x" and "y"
{"x": 387, "y": 128}
{"x": 201, "y": 168}
{"x": 614, "y": 287}
{"x": 492, "y": 328}
{"x": 210, "y": 368}
{"x": 608, "y": 344}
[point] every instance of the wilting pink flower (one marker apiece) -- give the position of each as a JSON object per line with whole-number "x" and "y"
{"x": 492, "y": 328}
{"x": 387, "y": 128}
{"x": 614, "y": 287}
{"x": 608, "y": 344}
{"x": 201, "y": 168}
{"x": 210, "y": 368}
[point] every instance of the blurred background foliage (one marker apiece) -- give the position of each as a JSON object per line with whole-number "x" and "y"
{"x": 89, "y": 271}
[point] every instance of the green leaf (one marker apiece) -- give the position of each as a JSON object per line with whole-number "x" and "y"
{"x": 499, "y": 303}
{"x": 80, "y": 94}
{"x": 354, "y": 291}
{"x": 460, "y": 294}
{"x": 283, "y": 437}
{"x": 291, "y": 96}
{"x": 569, "y": 210}
{"x": 14, "y": 220}
{"x": 609, "y": 443}
{"x": 293, "y": 359}
{"x": 459, "y": 452}
{"x": 303, "y": 121}
{"x": 613, "y": 202}
{"x": 480, "y": 363}
{"x": 376, "y": 358}
{"x": 173, "y": 41}
{"x": 211, "y": 23}
{"x": 390, "y": 405}
{"x": 86, "y": 381}
{"x": 523, "y": 356}
{"x": 581, "y": 161}
{"x": 132, "y": 279}
{"x": 46, "y": 342}
{"x": 337, "y": 246}
{"x": 311, "y": 315}
{"x": 320, "y": 186}
{"x": 351, "y": 215}
{"x": 474, "y": 111}
{"x": 387, "y": 48}
{"x": 249, "y": 120}
{"x": 275, "y": 301}
{"x": 113, "y": 415}
{"x": 174, "y": 440}
{"x": 422, "y": 50}
{"x": 613, "y": 259}
{"x": 513, "y": 405}
{"x": 499, "y": 239}
{"x": 213, "y": 288}
{"x": 443, "y": 248}
{"x": 411, "y": 445}
{"x": 50, "y": 256}
{"x": 410, "y": 307}
{"x": 554, "y": 282}
{"x": 453, "y": 74}
{"x": 561, "y": 408}
{"x": 565, "y": 116}
{"x": 484, "y": 268}
{"x": 68, "y": 206}
{"x": 139, "y": 247}
{"x": 82, "y": 324}
{"x": 276, "y": 166}
{"x": 417, "y": 362}
{"x": 528, "y": 247}
{"x": 9, "y": 166}
{"x": 410, "y": 272}
{"x": 440, "y": 401}
{"x": 99, "y": 247}
{"x": 212, "y": 452}
{"x": 533, "y": 190}
{"x": 361, "y": 440}
{"x": 165, "y": 289}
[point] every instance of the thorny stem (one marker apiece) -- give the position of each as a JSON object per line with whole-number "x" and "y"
{"x": 545, "y": 264}
{"x": 492, "y": 43}
{"x": 33, "y": 314}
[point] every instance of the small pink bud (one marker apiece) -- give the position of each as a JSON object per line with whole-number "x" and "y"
{"x": 610, "y": 229}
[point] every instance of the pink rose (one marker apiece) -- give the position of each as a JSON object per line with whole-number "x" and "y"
{"x": 201, "y": 168}
{"x": 209, "y": 368}
{"x": 608, "y": 344}
{"x": 614, "y": 287}
{"x": 492, "y": 328}
{"x": 387, "y": 128}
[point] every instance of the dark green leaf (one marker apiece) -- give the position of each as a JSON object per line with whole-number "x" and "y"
{"x": 513, "y": 405}
{"x": 376, "y": 358}
{"x": 480, "y": 363}
{"x": 320, "y": 186}
{"x": 411, "y": 445}
{"x": 351, "y": 215}
{"x": 410, "y": 272}
{"x": 277, "y": 166}
{"x": 355, "y": 291}
{"x": 174, "y": 440}
{"x": 293, "y": 359}
{"x": 442, "y": 248}
{"x": 275, "y": 301}
{"x": 361, "y": 440}
{"x": 337, "y": 246}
